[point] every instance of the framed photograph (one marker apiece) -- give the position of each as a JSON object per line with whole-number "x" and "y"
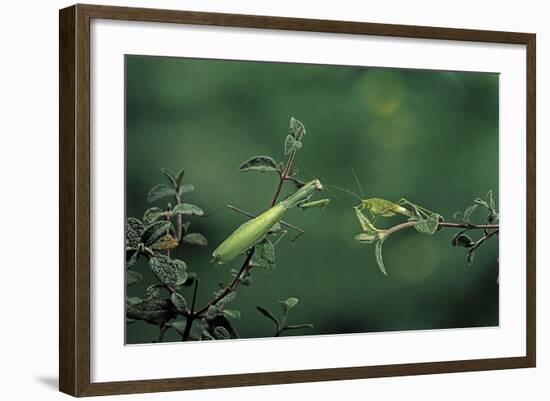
{"x": 250, "y": 200}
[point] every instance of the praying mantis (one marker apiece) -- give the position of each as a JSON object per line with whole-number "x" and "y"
{"x": 253, "y": 231}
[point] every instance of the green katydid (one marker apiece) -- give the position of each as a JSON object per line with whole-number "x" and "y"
{"x": 423, "y": 220}
{"x": 254, "y": 230}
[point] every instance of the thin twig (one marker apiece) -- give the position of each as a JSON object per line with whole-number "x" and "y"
{"x": 191, "y": 315}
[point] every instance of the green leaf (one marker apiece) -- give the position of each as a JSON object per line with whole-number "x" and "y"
{"x": 234, "y": 314}
{"x": 289, "y": 303}
{"x": 134, "y": 256}
{"x": 212, "y": 312}
{"x": 459, "y": 216}
{"x": 291, "y": 144}
{"x": 462, "y": 240}
{"x": 188, "y": 209}
{"x": 155, "y": 311}
{"x": 134, "y": 228}
{"x": 297, "y": 129}
{"x": 267, "y": 313}
{"x": 378, "y": 255}
{"x": 221, "y": 333}
{"x": 165, "y": 242}
{"x": 152, "y": 214}
{"x": 186, "y": 188}
{"x": 132, "y": 277}
{"x": 179, "y": 177}
{"x": 470, "y": 257}
{"x": 228, "y": 298}
{"x": 428, "y": 225}
{"x": 365, "y": 238}
{"x": 160, "y": 191}
{"x": 152, "y": 292}
{"x": 195, "y": 239}
{"x": 133, "y": 301}
{"x": 179, "y": 302}
{"x": 264, "y": 255}
{"x": 191, "y": 277}
{"x": 154, "y": 232}
{"x": 169, "y": 271}
{"x": 170, "y": 176}
{"x": 468, "y": 212}
{"x": 260, "y": 164}
{"x": 299, "y": 326}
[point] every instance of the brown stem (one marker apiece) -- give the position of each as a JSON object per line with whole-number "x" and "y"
{"x": 191, "y": 315}
{"x": 179, "y": 218}
{"x": 231, "y": 287}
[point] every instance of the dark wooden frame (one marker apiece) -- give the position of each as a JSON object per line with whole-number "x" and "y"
{"x": 74, "y": 199}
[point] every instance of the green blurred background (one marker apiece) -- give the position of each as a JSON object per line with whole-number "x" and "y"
{"x": 428, "y": 136}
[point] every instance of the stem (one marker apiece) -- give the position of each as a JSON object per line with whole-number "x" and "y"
{"x": 191, "y": 315}
{"x": 283, "y": 177}
{"x": 163, "y": 329}
{"x": 179, "y": 217}
{"x": 232, "y": 286}
{"x": 469, "y": 225}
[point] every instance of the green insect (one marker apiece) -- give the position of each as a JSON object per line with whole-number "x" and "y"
{"x": 254, "y": 230}
{"x": 322, "y": 203}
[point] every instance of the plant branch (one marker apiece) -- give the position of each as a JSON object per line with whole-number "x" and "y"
{"x": 179, "y": 217}
{"x": 232, "y": 286}
{"x": 191, "y": 314}
{"x": 283, "y": 177}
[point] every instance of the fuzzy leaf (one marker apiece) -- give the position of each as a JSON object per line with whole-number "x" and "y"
{"x": 261, "y": 164}
{"x": 186, "y": 188}
{"x": 165, "y": 242}
{"x": 169, "y": 271}
{"x": 462, "y": 240}
{"x": 291, "y": 144}
{"x": 365, "y": 238}
{"x": 170, "y": 176}
{"x": 152, "y": 292}
{"x": 234, "y": 314}
{"x": 154, "y": 232}
{"x": 212, "y": 312}
{"x": 179, "y": 177}
{"x": 459, "y": 216}
{"x": 134, "y": 228}
{"x": 296, "y": 128}
{"x": 378, "y": 255}
{"x": 155, "y": 311}
{"x": 134, "y": 256}
{"x": 228, "y": 298}
{"x": 468, "y": 212}
{"x": 153, "y": 214}
{"x": 188, "y": 209}
{"x": 133, "y": 301}
{"x": 132, "y": 277}
{"x": 289, "y": 303}
{"x": 429, "y": 225}
{"x": 264, "y": 256}
{"x": 299, "y": 326}
{"x": 195, "y": 239}
{"x": 221, "y": 333}
{"x": 160, "y": 191}
{"x": 179, "y": 302}
{"x": 267, "y": 313}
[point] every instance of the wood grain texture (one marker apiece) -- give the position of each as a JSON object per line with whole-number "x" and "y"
{"x": 74, "y": 199}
